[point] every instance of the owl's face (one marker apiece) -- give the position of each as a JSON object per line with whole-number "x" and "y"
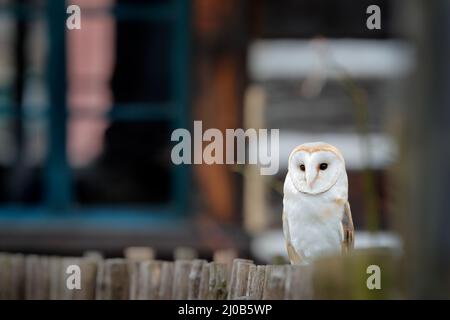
{"x": 315, "y": 167}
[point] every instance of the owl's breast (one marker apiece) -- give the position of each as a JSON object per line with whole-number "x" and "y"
{"x": 315, "y": 224}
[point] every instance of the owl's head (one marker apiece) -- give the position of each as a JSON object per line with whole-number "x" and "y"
{"x": 315, "y": 167}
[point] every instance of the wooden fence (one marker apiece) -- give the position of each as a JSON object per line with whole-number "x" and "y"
{"x": 139, "y": 277}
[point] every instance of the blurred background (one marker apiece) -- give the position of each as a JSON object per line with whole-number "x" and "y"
{"x": 86, "y": 117}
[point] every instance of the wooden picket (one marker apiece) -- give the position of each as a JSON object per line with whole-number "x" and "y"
{"x": 140, "y": 277}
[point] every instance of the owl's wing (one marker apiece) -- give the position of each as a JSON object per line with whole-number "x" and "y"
{"x": 294, "y": 257}
{"x": 348, "y": 229}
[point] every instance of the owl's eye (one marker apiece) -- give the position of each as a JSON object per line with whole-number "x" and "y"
{"x": 302, "y": 167}
{"x": 323, "y": 166}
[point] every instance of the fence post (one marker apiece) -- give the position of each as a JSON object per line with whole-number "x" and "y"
{"x": 37, "y": 282}
{"x": 195, "y": 278}
{"x": 149, "y": 280}
{"x": 100, "y": 285}
{"x": 255, "y": 286}
{"x": 226, "y": 257}
{"x": 274, "y": 282}
{"x": 116, "y": 279}
{"x": 213, "y": 283}
{"x": 17, "y": 276}
{"x": 12, "y": 276}
{"x": 167, "y": 275}
{"x": 88, "y": 269}
{"x": 181, "y": 279}
{"x": 239, "y": 278}
{"x": 299, "y": 283}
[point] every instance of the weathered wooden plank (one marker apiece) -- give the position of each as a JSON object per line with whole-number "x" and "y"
{"x": 214, "y": 282}
{"x": 299, "y": 284}
{"x": 44, "y": 278}
{"x": 31, "y": 266}
{"x": 239, "y": 278}
{"x": 135, "y": 256}
{"x": 88, "y": 267}
{"x": 255, "y": 285}
{"x": 194, "y": 278}
{"x": 116, "y": 279}
{"x": 226, "y": 257}
{"x": 274, "y": 282}
{"x": 181, "y": 279}
{"x": 167, "y": 276}
{"x": 100, "y": 285}
{"x": 37, "y": 278}
{"x": 17, "y": 277}
{"x": 56, "y": 279}
{"x": 12, "y": 276}
{"x": 5, "y": 269}
{"x": 149, "y": 280}
{"x": 135, "y": 278}
{"x": 204, "y": 288}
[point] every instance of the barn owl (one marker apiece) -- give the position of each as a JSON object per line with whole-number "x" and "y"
{"x": 316, "y": 214}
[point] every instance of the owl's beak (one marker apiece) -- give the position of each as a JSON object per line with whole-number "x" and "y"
{"x": 311, "y": 176}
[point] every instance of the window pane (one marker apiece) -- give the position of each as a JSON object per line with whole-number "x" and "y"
{"x": 133, "y": 167}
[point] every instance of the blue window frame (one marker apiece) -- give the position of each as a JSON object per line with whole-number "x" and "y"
{"x": 57, "y": 205}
